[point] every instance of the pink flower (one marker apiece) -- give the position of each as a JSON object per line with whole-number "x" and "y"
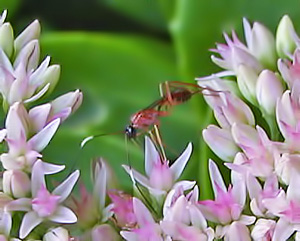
{"x": 263, "y": 230}
{"x": 122, "y": 208}
{"x": 286, "y": 206}
{"x": 229, "y": 109}
{"x": 266, "y": 96}
{"x": 105, "y": 232}
{"x": 147, "y": 228}
{"x": 257, "y": 194}
{"x": 44, "y": 205}
{"x": 183, "y": 220}
{"x": 290, "y": 70}
{"x": 260, "y": 152}
{"x": 226, "y": 209}
{"x": 24, "y": 146}
{"x": 288, "y": 117}
{"x": 161, "y": 176}
{"x": 91, "y": 208}
{"x": 233, "y": 54}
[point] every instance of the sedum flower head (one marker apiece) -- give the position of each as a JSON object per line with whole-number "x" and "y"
{"x": 261, "y": 149}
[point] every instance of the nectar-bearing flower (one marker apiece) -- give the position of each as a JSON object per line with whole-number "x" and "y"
{"x": 44, "y": 205}
{"x": 160, "y": 176}
{"x": 226, "y": 209}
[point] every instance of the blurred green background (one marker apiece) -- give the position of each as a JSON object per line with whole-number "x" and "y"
{"x": 118, "y": 51}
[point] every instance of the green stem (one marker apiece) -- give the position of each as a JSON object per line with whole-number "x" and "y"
{"x": 274, "y": 131}
{"x": 191, "y": 43}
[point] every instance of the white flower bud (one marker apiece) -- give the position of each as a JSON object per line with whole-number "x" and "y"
{"x": 261, "y": 43}
{"x": 51, "y": 76}
{"x": 246, "y": 79}
{"x": 268, "y": 89}
{"x": 30, "y": 33}
{"x": 16, "y": 183}
{"x": 7, "y": 39}
{"x": 285, "y": 42}
{"x": 221, "y": 142}
{"x": 57, "y": 234}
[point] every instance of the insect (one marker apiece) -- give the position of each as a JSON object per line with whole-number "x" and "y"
{"x": 172, "y": 93}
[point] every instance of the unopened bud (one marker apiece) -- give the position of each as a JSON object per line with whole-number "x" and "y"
{"x": 246, "y": 79}
{"x": 16, "y": 183}
{"x": 57, "y": 234}
{"x": 7, "y": 39}
{"x": 220, "y": 142}
{"x": 285, "y": 43}
{"x": 268, "y": 89}
{"x": 30, "y": 33}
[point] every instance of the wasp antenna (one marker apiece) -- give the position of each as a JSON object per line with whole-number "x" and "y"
{"x": 85, "y": 140}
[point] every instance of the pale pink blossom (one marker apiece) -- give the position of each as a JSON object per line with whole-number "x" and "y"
{"x": 257, "y": 194}
{"x": 160, "y": 175}
{"x": 122, "y": 208}
{"x": 183, "y": 220}
{"x": 260, "y": 152}
{"x": 91, "y": 208}
{"x": 286, "y": 206}
{"x": 24, "y": 148}
{"x": 261, "y": 43}
{"x": 220, "y": 142}
{"x": 147, "y": 228}
{"x": 105, "y": 232}
{"x": 16, "y": 183}
{"x": 263, "y": 230}
{"x": 233, "y": 54}
{"x": 290, "y": 70}
{"x": 229, "y": 109}
{"x": 44, "y": 205}
{"x": 226, "y": 209}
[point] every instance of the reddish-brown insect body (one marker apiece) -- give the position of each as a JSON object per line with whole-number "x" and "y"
{"x": 173, "y": 93}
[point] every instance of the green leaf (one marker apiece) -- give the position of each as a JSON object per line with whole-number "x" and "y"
{"x": 11, "y": 5}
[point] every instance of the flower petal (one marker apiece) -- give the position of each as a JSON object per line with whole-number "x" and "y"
{"x": 21, "y": 204}
{"x": 136, "y": 176}
{"x": 216, "y": 178}
{"x": 29, "y": 222}
{"x": 38, "y": 95}
{"x": 63, "y": 215}
{"x": 65, "y": 188}
{"x": 41, "y": 139}
{"x": 52, "y": 168}
{"x": 100, "y": 183}
{"x": 283, "y": 230}
{"x": 142, "y": 214}
{"x": 151, "y": 155}
{"x": 37, "y": 177}
{"x": 180, "y": 163}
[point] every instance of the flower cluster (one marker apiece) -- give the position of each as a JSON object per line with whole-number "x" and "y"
{"x": 262, "y": 77}
{"x": 25, "y": 201}
{"x": 257, "y": 109}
